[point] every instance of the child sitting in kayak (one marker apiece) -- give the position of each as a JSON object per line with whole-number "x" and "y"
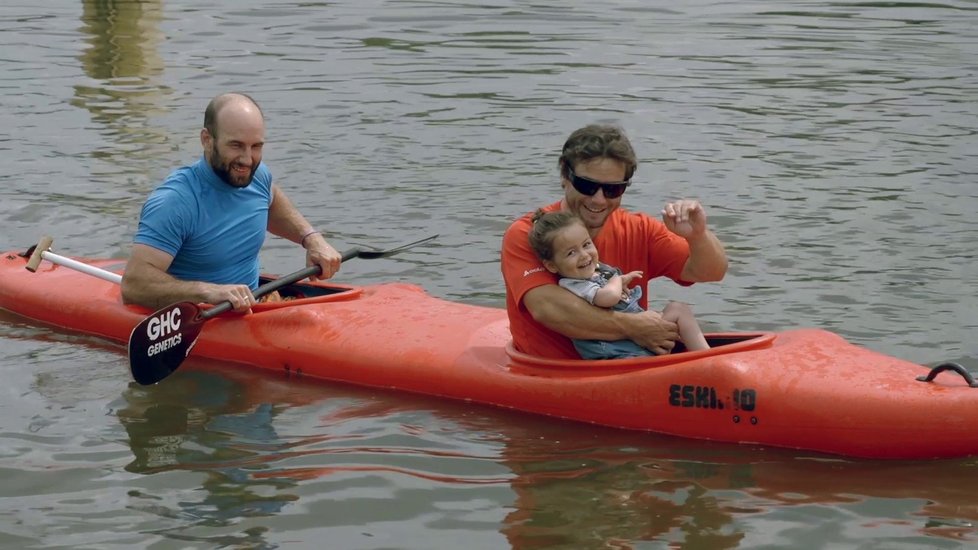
{"x": 562, "y": 243}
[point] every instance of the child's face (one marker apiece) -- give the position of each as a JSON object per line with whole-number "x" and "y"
{"x": 574, "y": 253}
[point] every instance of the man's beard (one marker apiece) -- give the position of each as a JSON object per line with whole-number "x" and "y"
{"x": 222, "y": 168}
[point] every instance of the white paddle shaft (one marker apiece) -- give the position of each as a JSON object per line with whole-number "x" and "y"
{"x": 84, "y": 268}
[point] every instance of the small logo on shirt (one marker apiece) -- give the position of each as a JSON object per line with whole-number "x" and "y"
{"x": 529, "y": 272}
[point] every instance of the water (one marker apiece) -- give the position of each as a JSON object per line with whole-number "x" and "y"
{"x": 833, "y": 145}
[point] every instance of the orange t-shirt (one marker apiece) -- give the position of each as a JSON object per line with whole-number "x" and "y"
{"x": 630, "y": 241}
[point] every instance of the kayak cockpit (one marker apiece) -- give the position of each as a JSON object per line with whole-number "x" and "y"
{"x": 309, "y": 292}
{"x": 720, "y": 344}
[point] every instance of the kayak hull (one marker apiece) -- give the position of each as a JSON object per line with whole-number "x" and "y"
{"x": 803, "y": 389}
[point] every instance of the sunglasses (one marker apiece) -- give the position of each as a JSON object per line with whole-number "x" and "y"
{"x": 589, "y": 187}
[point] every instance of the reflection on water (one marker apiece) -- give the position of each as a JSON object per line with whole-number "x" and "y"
{"x": 208, "y": 425}
{"x": 563, "y": 485}
{"x": 601, "y": 498}
{"x": 616, "y": 490}
{"x": 123, "y": 39}
{"x": 124, "y": 92}
{"x": 199, "y": 422}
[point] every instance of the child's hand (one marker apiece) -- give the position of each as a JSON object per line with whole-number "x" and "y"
{"x": 627, "y": 278}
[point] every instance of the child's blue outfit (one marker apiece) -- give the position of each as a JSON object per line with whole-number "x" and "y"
{"x": 587, "y": 289}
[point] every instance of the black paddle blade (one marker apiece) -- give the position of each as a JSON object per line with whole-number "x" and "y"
{"x": 160, "y": 343}
{"x": 373, "y": 253}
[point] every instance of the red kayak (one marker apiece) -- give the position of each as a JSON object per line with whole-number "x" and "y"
{"x": 802, "y": 389}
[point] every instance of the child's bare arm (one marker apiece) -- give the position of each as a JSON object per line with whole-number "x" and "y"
{"x": 609, "y": 294}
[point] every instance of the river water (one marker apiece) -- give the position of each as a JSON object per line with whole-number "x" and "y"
{"x": 832, "y": 143}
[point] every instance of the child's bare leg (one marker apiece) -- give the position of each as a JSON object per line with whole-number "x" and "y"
{"x": 689, "y": 329}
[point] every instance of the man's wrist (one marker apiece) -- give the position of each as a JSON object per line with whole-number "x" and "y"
{"x": 699, "y": 237}
{"x": 306, "y": 235}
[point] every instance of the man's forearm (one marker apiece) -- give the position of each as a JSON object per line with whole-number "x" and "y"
{"x": 707, "y": 259}
{"x": 565, "y": 313}
{"x": 159, "y": 290}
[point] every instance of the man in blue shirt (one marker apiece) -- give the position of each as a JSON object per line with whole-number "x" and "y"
{"x": 200, "y": 232}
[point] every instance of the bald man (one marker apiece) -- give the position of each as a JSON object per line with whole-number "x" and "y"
{"x": 200, "y": 232}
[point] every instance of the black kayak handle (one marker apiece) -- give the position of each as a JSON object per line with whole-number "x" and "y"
{"x": 949, "y": 366}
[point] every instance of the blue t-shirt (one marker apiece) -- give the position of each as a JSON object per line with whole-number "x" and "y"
{"x": 213, "y": 230}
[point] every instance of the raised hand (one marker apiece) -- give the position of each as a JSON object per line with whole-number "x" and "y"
{"x": 685, "y": 218}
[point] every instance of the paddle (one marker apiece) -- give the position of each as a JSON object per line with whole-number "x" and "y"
{"x": 160, "y": 343}
{"x": 42, "y": 251}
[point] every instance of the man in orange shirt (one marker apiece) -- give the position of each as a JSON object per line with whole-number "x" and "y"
{"x": 596, "y": 167}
